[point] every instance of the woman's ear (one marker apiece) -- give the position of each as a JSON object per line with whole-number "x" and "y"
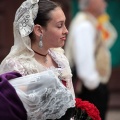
{"x": 38, "y": 30}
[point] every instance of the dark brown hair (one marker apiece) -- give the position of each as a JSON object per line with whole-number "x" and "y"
{"x": 45, "y": 7}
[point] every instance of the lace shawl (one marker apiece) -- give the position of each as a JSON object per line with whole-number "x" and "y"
{"x": 26, "y": 66}
{"x": 43, "y": 95}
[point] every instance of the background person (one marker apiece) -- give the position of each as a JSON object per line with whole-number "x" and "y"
{"x": 88, "y": 55}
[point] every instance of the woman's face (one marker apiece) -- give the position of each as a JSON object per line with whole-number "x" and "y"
{"x": 54, "y": 35}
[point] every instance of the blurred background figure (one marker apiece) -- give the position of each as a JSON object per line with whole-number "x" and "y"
{"x": 109, "y": 33}
{"x": 87, "y": 50}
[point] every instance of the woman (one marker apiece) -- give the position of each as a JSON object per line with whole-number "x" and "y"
{"x": 39, "y": 34}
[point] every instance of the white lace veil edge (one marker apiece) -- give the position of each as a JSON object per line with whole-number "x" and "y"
{"x": 43, "y": 95}
{"x": 23, "y": 26}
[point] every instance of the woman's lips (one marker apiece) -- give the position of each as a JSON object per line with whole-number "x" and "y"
{"x": 63, "y": 38}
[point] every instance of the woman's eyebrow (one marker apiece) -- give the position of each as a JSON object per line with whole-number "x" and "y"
{"x": 61, "y": 21}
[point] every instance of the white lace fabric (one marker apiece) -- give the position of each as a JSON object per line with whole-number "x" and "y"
{"x": 25, "y": 16}
{"x": 26, "y": 66}
{"x": 43, "y": 95}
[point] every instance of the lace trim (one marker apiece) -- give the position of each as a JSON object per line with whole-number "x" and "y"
{"x": 43, "y": 95}
{"x": 64, "y": 72}
{"x": 30, "y": 66}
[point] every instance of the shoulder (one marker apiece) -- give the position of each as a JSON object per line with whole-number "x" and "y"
{"x": 62, "y": 62}
{"x": 82, "y": 27}
{"x": 60, "y": 53}
{"x": 85, "y": 25}
{"x": 7, "y": 65}
{"x": 12, "y": 64}
{"x": 81, "y": 18}
{"x": 58, "y": 50}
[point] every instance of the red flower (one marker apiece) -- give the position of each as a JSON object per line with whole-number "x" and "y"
{"x": 89, "y": 108}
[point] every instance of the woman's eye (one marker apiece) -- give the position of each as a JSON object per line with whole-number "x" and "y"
{"x": 59, "y": 26}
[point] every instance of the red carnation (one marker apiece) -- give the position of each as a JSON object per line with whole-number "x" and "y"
{"x": 89, "y": 108}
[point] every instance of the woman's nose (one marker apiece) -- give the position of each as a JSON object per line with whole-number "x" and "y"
{"x": 65, "y": 30}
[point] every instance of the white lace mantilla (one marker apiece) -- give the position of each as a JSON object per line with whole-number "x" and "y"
{"x": 25, "y": 16}
{"x": 31, "y": 66}
{"x": 43, "y": 95}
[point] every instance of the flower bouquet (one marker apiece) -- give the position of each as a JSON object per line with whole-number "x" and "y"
{"x": 86, "y": 111}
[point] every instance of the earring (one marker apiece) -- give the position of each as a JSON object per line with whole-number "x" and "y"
{"x": 40, "y": 43}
